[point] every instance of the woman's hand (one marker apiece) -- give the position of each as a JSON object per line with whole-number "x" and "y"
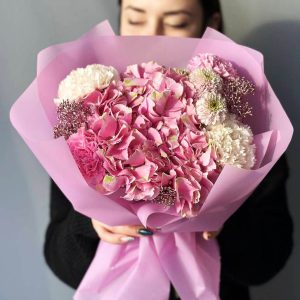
{"x": 208, "y": 235}
{"x": 127, "y": 233}
{"x": 120, "y": 234}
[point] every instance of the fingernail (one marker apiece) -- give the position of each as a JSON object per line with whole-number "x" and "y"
{"x": 126, "y": 239}
{"x": 144, "y": 231}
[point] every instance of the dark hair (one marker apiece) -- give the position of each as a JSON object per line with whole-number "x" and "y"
{"x": 209, "y": 8}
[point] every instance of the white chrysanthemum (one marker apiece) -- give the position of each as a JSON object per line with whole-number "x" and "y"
{"x": 233, "y": 142}
{"x": 82, "y": 81}
{"x": 205, "y": 79}
{"x": 211, "y": 108}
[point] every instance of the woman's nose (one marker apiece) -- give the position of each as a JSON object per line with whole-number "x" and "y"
{"x": 154, "y": 27}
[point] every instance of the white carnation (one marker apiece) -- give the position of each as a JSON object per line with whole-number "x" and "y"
{"x": 233, "y": 142}
{"x": 82, "y": 81}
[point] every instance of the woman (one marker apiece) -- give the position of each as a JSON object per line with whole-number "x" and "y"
{"x": 254, "y": 243}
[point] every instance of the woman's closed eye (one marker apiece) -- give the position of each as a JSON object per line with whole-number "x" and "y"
{"x": 136, "y": 23}
{"x": 178, "y": 26}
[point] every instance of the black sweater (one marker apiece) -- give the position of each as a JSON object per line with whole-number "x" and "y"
{"x": 255, "y": 242}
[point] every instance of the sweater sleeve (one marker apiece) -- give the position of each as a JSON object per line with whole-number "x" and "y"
{"x": 70, "y": 240}
{"x": 257, "y": 239}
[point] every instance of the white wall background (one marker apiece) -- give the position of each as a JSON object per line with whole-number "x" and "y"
{"x": 27, "y": 26}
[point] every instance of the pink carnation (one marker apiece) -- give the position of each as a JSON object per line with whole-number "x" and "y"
{"x": 83, "y": 146}
{"x": 222, "y": 67}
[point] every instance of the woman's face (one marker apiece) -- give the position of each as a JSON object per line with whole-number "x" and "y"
{"x": 161, "y": 17}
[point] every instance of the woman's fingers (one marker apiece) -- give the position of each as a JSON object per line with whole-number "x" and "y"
{"x": 134, "y": 230}
{"x": 130, "y": 230}
{"x": 208, "y": 235}
{"x": 114, "y": 238}
{"x": 119, "y": 234}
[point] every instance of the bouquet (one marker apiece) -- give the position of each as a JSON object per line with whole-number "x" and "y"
{"x": 163, "y": 134}
{"x": 173, "y": 133}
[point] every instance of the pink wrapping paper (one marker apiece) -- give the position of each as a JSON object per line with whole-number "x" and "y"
{"x": 144, "y": 268}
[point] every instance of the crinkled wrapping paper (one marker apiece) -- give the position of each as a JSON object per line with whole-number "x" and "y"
{"x": 144, "y": 268}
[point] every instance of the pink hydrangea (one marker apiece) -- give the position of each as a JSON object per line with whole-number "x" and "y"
{"x": 144, "y": 135}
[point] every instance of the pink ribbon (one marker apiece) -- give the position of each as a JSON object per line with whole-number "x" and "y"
{"x": 144, "y": 268}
